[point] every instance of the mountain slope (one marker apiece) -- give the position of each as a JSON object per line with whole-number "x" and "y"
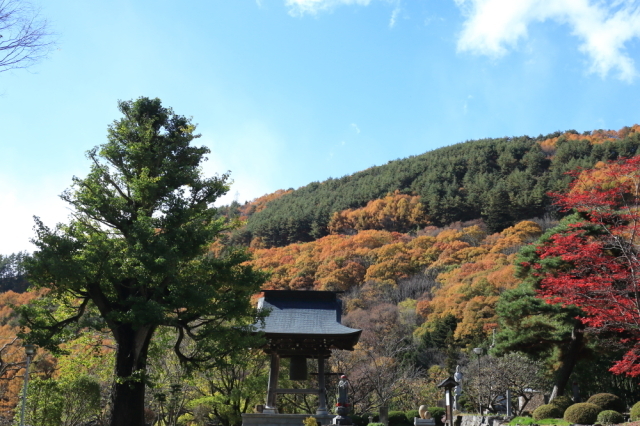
{"x": 501, "y": 180}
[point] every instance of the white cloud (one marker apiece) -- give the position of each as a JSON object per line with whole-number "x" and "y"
{"x": 355, "y": 127}
{"x": 494, "y": 26}
{"x": 300, "y": 7}
{"x": 394, "y": 17}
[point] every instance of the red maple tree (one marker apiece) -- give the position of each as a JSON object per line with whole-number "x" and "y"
{"x": 597, "y": 259}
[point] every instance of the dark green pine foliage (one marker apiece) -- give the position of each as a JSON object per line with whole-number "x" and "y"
{"x": 135, "y": 256}
{"x": 455, "y": 183}
{"x": 528, "y": 324}
{"x": 12, "y": 273}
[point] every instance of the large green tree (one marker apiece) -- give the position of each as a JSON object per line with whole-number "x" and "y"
{"x": 136, "y": 255}
{"x": 545, "y": 331}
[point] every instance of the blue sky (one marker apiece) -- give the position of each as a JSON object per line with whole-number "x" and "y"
{"x": 286, "y": 92}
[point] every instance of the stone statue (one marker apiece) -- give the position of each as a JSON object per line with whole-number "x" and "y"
{"x": 424, "y": 412}
{"x": 457, "y": 391}
{"x": 343, "y": 391}
{"x": 342, "y": 406}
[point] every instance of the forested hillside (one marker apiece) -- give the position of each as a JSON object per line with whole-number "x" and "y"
{"x": 501, "y": 180}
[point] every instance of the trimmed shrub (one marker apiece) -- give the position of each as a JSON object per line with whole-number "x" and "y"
{"x": 358, "y": 420}
{"x": 437, "y": 413}
{"x": 398, "y": 418}
{"x": 377, "y": 424}
{"x": 635, "y": 412}
{"x": 607, "y": 401}
{"x": 610, "y": 417}
{"x": 411, "y": 414}
{"x": 582, "y": 413}
{"x": 562, "y": 402}
{"x": 548, "y": 411}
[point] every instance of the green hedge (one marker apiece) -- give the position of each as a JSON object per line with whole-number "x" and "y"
{"x": 411, "y": 414}
{"x": 562, "y": 402}
{"x": 437, "y": 413}
{"x": 398, "y": 418}
{"x": 635, "y": 412}
{"x": 608, "y": 401}
{"x": 610, "y": 417}
{"x": 583, "y": 413}
{"x": 548, "y": 411}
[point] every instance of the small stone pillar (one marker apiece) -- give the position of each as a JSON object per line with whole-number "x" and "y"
{"x": 384, "y": 415}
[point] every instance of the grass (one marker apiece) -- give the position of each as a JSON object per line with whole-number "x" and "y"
{"x": 531, "y": 421}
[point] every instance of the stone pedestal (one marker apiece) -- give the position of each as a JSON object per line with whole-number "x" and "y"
{"x": 261, "y": 419}
{"x": 417, "y": 421}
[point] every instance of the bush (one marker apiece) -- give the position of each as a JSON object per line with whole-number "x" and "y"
{"x": 310, "y": 421}
{"x": 376, "y": 417}
{"x": 358, "y": 420}
{"x": 398, "y": 418}
{"x": 377, "y": 424}
{"x": 411, "y": 414}
{"x": 562, "y": 402}
{"x": 548, "y": 411}
{"x": 437, "y": 413}
{"x": 610, "y": 417}
{"x": 635, "y": 412}
{"x": 607, "y": 401}
{"x": 583, "y": 413}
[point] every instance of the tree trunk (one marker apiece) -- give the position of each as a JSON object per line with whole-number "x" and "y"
{"x": 127, "y": 398}
{"x": 569, "y": 360}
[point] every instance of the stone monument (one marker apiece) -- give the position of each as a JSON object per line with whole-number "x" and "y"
{"x": 425, "y": 417}
{"x": 457, "y": 391}
{"x": 342, "y": 406}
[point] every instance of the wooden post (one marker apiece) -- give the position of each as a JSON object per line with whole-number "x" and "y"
{"x": 274, "y": 369}
{"x": 322, "y": 396}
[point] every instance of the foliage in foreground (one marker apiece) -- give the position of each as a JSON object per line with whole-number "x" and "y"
{"x": 532, "y": 421}
{"x": 610, "y": 417}
{"x": 582, "y": 413}
{"x": 135, "y": 255}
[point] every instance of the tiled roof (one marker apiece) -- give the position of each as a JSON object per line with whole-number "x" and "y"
{"x": 303, "y": 312}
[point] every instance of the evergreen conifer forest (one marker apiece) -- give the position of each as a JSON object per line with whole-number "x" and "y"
{"x": 481, "y": 244}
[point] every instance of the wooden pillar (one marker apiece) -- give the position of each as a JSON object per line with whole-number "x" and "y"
{"x": 322, "y": 396}
{"x": 274, "y": 369}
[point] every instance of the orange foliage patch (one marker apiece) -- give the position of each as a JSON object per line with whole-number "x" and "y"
{"x": 395, "y": 212}
{"x": 596, "y": 137}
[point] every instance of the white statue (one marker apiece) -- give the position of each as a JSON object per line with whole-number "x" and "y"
{"x": 457, "y": 391}
{"x": 424, "y": 412}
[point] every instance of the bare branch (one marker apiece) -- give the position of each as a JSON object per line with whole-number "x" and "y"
{"x": 24, "y": 37}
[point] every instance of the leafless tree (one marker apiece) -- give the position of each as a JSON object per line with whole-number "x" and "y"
{"x": 376, "y": 375}
{"x": 25, "y": 38}
{"x": 488, "y": 382}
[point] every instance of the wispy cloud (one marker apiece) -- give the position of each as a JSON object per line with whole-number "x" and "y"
{"x": 312, "y": 7}
{"x": 355, "y": 127}
{"x": 492, "y": 27}
{"x": 394, "y": 16}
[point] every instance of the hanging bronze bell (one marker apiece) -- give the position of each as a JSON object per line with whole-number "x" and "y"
{"x": 298, "y": 368}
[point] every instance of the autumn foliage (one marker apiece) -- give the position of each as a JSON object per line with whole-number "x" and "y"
{"x": 595, "y": 261}
{"x": 471, "y": 269}
{"x": 395, "y": 212}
